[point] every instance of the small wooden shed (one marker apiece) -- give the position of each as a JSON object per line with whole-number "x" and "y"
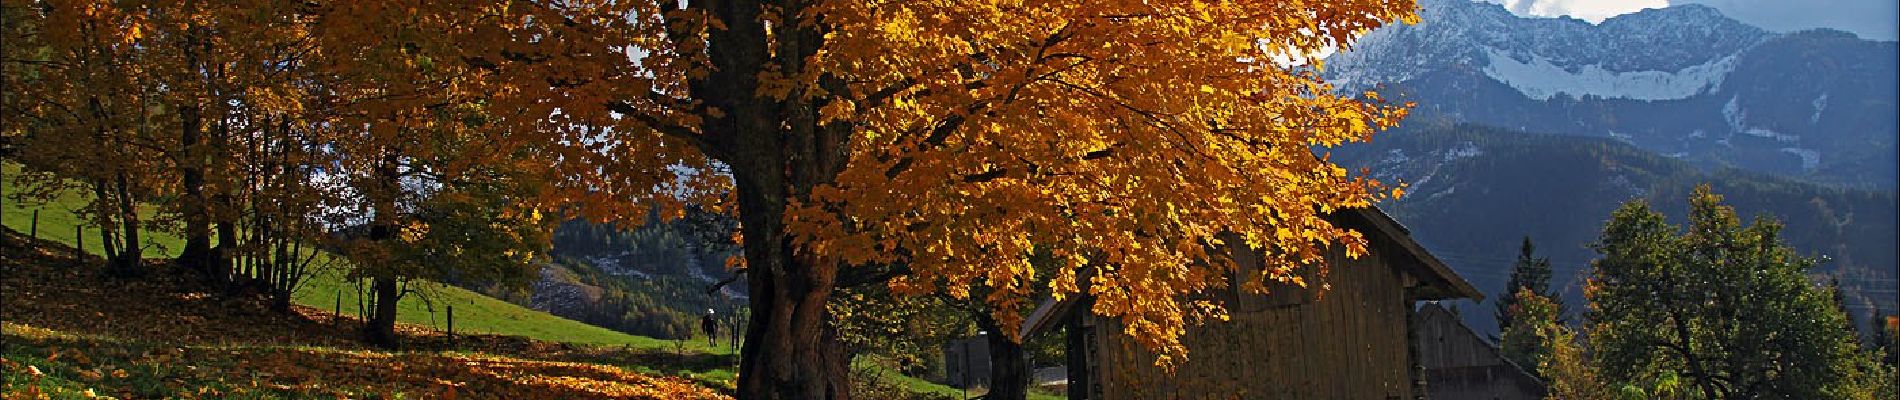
{"x": 1354, "y": 342}
{"x": 1461, "y": 365}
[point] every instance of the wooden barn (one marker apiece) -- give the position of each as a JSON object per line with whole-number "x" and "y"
{"x": 1461, "y": 365}
{"x": 1354, "y": 342}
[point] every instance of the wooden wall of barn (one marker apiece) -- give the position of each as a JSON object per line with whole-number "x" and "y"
{"x": 1350, "y": 343}
{"x": 1460, "y": 365}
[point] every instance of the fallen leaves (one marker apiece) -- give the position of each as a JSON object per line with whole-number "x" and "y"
{"x": 97, "y": 364}
{"x": 144, "y": 339}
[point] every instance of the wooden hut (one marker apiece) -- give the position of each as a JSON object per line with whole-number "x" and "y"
{"x": 1353, "y": 342}
{"x": 1461, "y": 365}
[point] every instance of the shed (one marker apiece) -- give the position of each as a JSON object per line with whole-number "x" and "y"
{"x": 1354, "y": 342}
{"x": 1461, "y": 365}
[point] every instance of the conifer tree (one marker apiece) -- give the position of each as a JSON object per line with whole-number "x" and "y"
{"x": 1529, "y": 272}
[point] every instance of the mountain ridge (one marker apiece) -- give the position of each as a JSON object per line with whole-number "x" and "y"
{"x": 1683, "y": 81}
{"x": 1474, "y": 191}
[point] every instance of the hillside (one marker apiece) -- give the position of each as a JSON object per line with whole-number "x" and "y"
{"x": 327, "y": 289}
{"x": 649, "y": 280}
{"x": 71, "y": 333}
{"x": 1476, "y": 191}
{"x": 528, "y": 335}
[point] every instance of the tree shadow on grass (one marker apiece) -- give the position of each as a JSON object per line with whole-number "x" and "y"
{"x": 135, "y": 369}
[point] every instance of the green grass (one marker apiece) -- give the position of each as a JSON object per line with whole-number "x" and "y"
{"x": 474, "y": 312}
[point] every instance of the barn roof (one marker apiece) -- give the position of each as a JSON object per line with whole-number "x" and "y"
{"x": 1439, "y": 282}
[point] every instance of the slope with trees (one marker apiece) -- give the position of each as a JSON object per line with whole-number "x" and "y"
{"x": 1476, "y": 191}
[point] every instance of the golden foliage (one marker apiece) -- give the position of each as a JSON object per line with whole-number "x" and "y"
{"x": 1120, "y": 136}
{"x": 953, "y": 138}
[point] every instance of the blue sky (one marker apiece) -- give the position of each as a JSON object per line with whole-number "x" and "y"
{"x": 1872, "y": 19}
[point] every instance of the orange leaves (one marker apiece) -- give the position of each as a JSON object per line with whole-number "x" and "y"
{"x": 1121, "y": 135}
{"x": 1124, "y": 135}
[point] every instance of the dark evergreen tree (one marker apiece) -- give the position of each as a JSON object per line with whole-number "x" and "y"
{"x": 1886, "y": 342}
{"x": 1529, "y": 272}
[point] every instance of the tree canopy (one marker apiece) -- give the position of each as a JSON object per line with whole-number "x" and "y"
{"x": 929, "y": 146}
{"x": 1718, "y": 310}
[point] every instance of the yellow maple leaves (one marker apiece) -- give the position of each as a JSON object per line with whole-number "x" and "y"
{"x": 1132, "y": 130}
{"x": 1123, "y": 135}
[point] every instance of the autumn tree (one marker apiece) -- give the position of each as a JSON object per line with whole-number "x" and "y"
{"x": 929, "y": 146}
{"x": 261, "y": 127}
{"x": 180, "y": 97}
{"x": 1517, "y": 322}
{"x": 82, "y": 102}
{"x": 1717, "y": 310}
{"x": 430, "y": 203}
{"x": 924, "y": 146}
{"x": 1527, "y": 342}
{"x": 1559, "y": 356}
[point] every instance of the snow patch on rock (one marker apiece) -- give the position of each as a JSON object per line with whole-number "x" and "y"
{"x": 1465, "y": 149}
{"x": 1737, "y": 121}
{"x": 1539, "y": 78}
{"x": 1820, "y": 103}
{"x": 1810, "y": 158}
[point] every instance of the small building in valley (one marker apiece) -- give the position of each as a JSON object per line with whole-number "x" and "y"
{"x": 1354, "y": 342}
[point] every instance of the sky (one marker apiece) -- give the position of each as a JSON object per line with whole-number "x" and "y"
{"x": 1871, "y": 19}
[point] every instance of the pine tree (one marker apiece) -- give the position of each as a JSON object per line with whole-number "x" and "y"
{"x": 1529, "y": 272}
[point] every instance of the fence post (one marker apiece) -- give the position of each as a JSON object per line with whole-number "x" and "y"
{"x": 34, "y": 232}
{"x": 451, "y": 325}
{"x": 79, "y": 241}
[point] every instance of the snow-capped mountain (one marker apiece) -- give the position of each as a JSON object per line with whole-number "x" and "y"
{"x": 1683, "y": 81}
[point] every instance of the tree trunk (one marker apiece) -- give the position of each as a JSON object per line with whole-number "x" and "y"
{"x": 196, "y": 256}
{"x": 380, "y": 330}
{"x": 791, "y": 351}
{"x": 105, "y": 221}
{"x": 222, "y": 263}
{"x": 1009, "y": 363}
{"x": 777, "y": 152}
{"x": 130, "y": 256}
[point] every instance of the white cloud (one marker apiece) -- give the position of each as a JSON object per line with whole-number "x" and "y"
{"x": 1588, "y": 10}
{"x": 1871, "y": 19}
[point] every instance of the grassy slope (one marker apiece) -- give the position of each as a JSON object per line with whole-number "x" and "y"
{"x": 474, "y": 312}
{"x": 70, "y": 332}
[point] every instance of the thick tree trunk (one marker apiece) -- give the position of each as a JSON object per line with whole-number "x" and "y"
{"x": 1009, "y": 363}
{"x": 777, "y": 152}
{"x": 196, "y": 256}
{"x": 380, "y": 330}
{"x": 791, "y": 351}
{"x": 222, "y": 256}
